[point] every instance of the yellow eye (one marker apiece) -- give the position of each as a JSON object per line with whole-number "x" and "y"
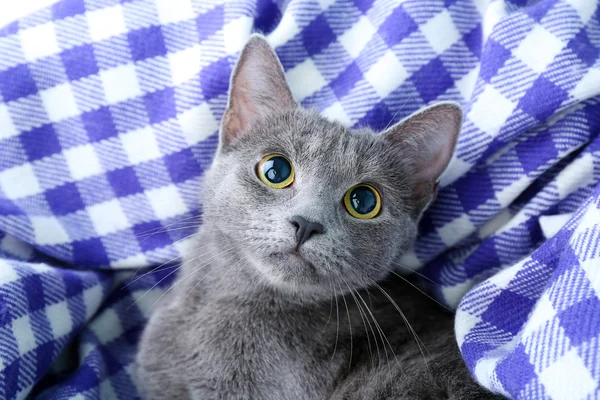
{"x": 363, "y": 201}
{"x": 275, "y": 171}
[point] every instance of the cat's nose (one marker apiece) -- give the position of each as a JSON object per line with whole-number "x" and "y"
{"x": 305, "y": 228}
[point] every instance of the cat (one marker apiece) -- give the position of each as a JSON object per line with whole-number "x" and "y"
{"x": 291, "y": 293}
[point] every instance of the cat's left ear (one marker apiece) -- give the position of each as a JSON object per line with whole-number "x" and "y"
{"x": 258, "y": 90}
{"x": 427, "y": 138}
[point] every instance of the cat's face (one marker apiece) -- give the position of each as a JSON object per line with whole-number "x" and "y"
{"x": 327, "y": 161}
{"x": 313, "y": 206}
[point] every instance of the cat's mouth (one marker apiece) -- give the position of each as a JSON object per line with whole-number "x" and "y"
{"x": 296, "y": 255}
{"x": 295, "y": 259}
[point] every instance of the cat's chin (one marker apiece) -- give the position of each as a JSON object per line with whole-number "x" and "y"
{"x": 293, "y": 272}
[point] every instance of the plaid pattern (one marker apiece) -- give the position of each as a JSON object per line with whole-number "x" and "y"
{"x": 108, "y": 117}
{"x": 531, "y": 331}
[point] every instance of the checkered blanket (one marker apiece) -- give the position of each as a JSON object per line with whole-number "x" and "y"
{"x": 108, "y": 117}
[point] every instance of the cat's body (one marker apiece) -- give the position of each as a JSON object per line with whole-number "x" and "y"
{"x": 218, "y": 344}
{"x": 281, "y": 300}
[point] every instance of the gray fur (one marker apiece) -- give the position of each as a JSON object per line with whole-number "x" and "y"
{"x": 250, "y": 319}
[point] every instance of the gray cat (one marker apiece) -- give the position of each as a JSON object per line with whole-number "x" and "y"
{"x": 290, "y": 294}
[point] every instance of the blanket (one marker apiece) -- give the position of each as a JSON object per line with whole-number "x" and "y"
{"x": 109, "y": 113}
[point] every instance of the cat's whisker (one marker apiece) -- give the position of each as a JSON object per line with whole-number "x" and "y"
{"x": 156, "y": 284}
{"x": 382, "y": 334}
{"x": 177, "y": 269}
{"x": 396, "y": 114}
{"x": 416, "y": 273}
{"x": 349, "y": 326}
{"x": 420, "y": 290}
{"x": 198, "y": 222}
{"x": 205, "y": 276}
{"x": 330, "y": 305}
{"x": 147, "y": 235}
{"x": 204, "y": 229}
{"x": 364, "y": 321}
{"x": 409, "y": 326}
{"x": 337, "y": 330}
{"x": 367, "y": 323}
{"x": 402, "y": 106}
{"x": 135, "y": 278}
{"x": 166, "y": 230}
{"x": 199, "y": 268}
{"x": 371, "y": 328}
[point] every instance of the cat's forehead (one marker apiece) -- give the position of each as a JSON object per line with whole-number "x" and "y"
{"x": 314, "y": 141}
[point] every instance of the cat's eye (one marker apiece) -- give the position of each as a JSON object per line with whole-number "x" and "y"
{"x": 275, "y": 171}
{"x": 363, "y": 201}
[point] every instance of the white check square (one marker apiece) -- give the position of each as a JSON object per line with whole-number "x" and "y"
{"x": 106, "y": 22}
{"x": 356, "y": 38}
{"x": 108, "y": 217}
{"x": 305, "y": 79}
{"x": 92, "y": 299}
{"x": 19, "y": 181}
{"x": 577, "y": 175}
{"x": 568, "y": 378}
{"x": 140, "y": 145}
{"x": 120, "y": 83}
{"x": 23, "y": 334}
{"x": 440, "y": 31}
{"x": 491, "y": 110}
{"x": 107, "y": 326}
{"x": 39, "y": 41}
{"x": 7, "y": 273}
{"x": 336, "y": 112}
{"x": 285, "y": 30}
{"x": 59, "y": 102}
{"x": 586, "y": 88}
{"x": 185, "y": 64}
{"x": 386, "y": 74}
{"x": 453, "y": 232}
{"x": 166, "y": 202}
{"x": 198, "y": 123}
{"x": 237, "y": 33}
{"x": 83, "y": 161}
{"x": 48, "y": 231}
{"x": 539, "y": 48}
{"x": 325, "y": 4}
{"x": 170, "y": 11}
{"x": 60, "y": 319}
{"x": 585, "y": 9}
{"x": 7, "y": 127}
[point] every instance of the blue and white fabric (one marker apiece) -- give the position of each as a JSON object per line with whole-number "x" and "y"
{"x": 109, "y": 112}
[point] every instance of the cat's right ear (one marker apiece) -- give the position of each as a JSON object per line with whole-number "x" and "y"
{"x": 258, "y": 89}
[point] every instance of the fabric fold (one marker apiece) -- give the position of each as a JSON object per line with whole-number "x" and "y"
{"x": 109, "y": 112}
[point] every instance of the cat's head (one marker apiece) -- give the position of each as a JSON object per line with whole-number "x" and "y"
{"x": 313, "y": 206}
